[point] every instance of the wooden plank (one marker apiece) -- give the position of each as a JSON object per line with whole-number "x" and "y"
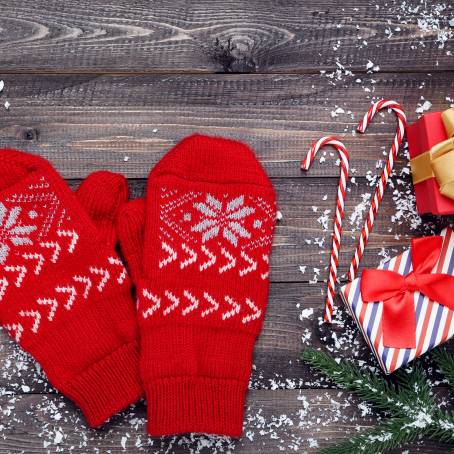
{"x": 280, "y": 420}
{"x": 301, "y": 239}
{"x": 293, "y": 321}
{"x": 303, "y": 235}
{"x": 213, "y": 36}
{"x": 279, "y": 346}
{"x": 276, "y": 356}
{"x": 85, "y": 123}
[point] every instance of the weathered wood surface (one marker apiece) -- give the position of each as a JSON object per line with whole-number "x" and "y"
{"x": 294, "y": 425}
{"x": 300, "y": 231}
{"x": 83, "y": 123}
{"x": 276, "y": 355}
{"x": 91, "y": 83}
{"x": 292, "y": 420}
{"x": 211, "y": 36}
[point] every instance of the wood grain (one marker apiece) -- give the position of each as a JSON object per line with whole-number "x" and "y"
{"x": 114, "y": 85}
{"x": 276, "y": 354}
{"x": 280, "y": 344}
{"x": 301, "y": 239}
{"x": 280, "y": 420}
{"x": 84, "y": 123}
{"x": 275, "y": 421}
{"x": 207, "y": 36}
{"x": 286, "y": 332}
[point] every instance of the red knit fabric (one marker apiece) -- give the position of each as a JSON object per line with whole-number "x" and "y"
{"x": 64, "y": 294}
{"x": 102, "y": 195}
{"x": 210, "y": 213}
{"x": 130, "y": 228}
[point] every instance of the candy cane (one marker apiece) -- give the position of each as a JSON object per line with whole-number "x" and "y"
{"x": 380, "y": 189}
{"x": 339, "y": 215}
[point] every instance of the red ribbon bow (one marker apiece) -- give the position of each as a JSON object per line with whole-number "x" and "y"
{"x": 397, "y": 291}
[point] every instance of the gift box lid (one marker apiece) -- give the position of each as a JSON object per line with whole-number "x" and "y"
{"x": 422, "y": 135}
{"x": 425, "y": 133}
{"x": 434, "y": 322}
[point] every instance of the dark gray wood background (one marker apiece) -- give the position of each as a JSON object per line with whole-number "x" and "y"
{"x": 113, "y": 85}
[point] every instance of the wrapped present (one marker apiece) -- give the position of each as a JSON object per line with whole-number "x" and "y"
{"x": 405, "y": 307}
{"x": 431, "y": 146}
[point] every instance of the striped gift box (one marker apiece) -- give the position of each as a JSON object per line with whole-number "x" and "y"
{"x": 434, "y": 322}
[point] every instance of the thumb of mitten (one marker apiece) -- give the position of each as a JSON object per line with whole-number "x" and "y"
{"x": 130, "y": 229}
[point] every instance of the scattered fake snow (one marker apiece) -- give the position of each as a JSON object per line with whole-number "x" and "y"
{"x": 302, "y": 426}
{"x": 306, "y": 313}
{"x": 426, "y": 105}
{"x": 6, "y": 103}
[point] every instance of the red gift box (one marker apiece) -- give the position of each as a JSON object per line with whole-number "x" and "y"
{"x": 423, "y": 137}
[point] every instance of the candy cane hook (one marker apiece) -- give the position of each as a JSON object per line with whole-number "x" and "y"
{"x": 339, "y": 215}
{"x": 380, "y": 189}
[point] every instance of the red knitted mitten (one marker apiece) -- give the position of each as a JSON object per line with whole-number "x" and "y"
{"x": 210, "y": 214}
{"x": 64, "y": 294}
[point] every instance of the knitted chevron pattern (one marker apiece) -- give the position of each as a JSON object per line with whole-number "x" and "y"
{"x": 225, "y": 237}
{"x": 64, "y": 294}
{"x": 210, "y": 215}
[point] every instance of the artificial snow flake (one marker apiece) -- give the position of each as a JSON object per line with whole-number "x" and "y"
{"x": 58, "y": 437}
{"x": 313, "y": 443}
{"x": 372, "y": 67}
{"x": 423, "y": 107}
{"x": 306, "y": 313}
{"x": 335, "y": 113}
{"x": 324, "y": 219}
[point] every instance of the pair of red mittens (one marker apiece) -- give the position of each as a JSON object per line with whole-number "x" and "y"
{"x": 198, "y": 250}
{"x": 64, "y": 293}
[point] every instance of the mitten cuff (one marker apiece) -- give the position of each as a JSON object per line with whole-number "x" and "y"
{"x": 195, "y": 404}
{"x": 91, "y": 355}
{"x": 108, "y": 386}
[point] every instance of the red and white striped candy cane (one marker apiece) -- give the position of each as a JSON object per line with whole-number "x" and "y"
{"x": 380, "y": 189}
{"x": 339, "y": 215}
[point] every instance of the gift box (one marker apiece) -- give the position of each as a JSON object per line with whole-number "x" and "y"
{"x": 431, "y": 146}
{"x": 405, "y": 307}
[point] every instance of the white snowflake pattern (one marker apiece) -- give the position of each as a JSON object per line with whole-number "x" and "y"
{"x": 227, "y": 218}
{"x": 12, "y": 231}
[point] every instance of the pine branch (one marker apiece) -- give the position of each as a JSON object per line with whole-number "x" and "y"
{"x": 366, "y": 385}
{"x": 411, "y": 403}
{"x": 445, "y": 362}
{"x": 387, "y": 435}
{"x": 442, "y": 427}
{"x": 418, "y": 394}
